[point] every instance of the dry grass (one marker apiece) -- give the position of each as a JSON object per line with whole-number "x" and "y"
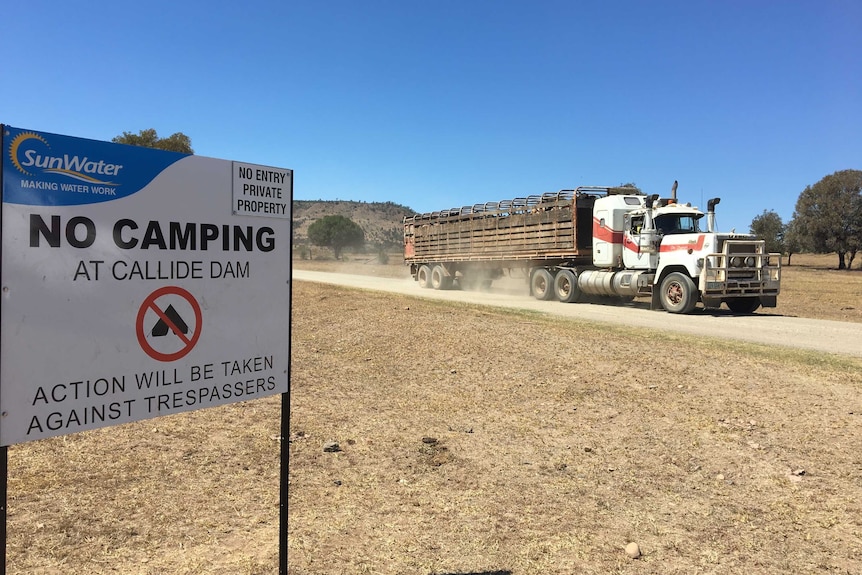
{"x": 553, "y": 452}
{"x": 557, "y": 443}
{"x": 814, "y": 287}
{"x": 192, "y": 493}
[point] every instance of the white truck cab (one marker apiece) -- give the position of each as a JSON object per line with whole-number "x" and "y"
{"x": 676, "y": 260}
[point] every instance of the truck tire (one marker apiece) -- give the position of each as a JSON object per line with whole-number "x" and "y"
{"x": 542, "y": 284}
{"x": 439, "y": 279}
{"x": 566, "y": 286}
{"x": 743, "y": 304}
{"x": 678, "y": 293}
{"x": 423, "y": 276}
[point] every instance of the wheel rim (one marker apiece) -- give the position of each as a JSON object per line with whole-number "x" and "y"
{"x": 675, "y": 293}
{"x": 565, "y": 288}
{"x": 541, "y": 286}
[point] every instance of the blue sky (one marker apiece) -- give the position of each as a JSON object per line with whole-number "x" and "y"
{"x": 440, "y": 104}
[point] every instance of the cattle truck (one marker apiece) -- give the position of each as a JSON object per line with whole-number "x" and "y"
{"x": 611, "y": 243}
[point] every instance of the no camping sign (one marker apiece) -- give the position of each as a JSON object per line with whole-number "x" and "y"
{"x": 136, "y": 283}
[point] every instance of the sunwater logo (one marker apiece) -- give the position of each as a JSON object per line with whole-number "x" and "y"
{"x": 31, "y": 154}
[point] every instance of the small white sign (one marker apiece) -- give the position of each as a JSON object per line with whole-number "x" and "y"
{"x": 262, "y": 191}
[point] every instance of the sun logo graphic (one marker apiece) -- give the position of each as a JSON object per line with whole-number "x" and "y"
{"x": 15, "y": 145}
{"x": 30, "y": 151}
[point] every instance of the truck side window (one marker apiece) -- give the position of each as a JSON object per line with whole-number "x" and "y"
{"x": 664, "y": 224}
{"x": 689, "y": 224}
{"x": 636, "y": 225}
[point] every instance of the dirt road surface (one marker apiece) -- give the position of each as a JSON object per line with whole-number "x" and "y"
{"x": 763, "y": 328}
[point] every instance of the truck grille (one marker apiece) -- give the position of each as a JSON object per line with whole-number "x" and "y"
{"x": 743, "y": 268}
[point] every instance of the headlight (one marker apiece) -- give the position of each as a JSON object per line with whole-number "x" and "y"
{"x": 749, "y": 262}
{"x": 735, "y": 262}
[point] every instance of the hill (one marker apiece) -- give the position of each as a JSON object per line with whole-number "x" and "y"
{"x": 381, "y": 221}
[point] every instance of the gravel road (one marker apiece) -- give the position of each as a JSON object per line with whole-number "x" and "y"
{"x": 793, "y": 332}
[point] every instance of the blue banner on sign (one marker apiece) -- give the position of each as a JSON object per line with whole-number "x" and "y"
{"x": 42, "y": 169}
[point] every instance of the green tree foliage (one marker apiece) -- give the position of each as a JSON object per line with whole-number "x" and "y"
{"x": 794, "y": 243}
{"x": 336, "y": 232}
{"x": 769, "y": 227}
{"x": 178, "y": 142}
{"x": 828, "y": 216}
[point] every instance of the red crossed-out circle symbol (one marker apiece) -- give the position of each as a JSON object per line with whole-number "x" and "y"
{"x": 185, "y": 342}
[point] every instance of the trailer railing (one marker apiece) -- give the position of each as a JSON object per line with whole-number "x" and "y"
{"x": 526, "y": 204}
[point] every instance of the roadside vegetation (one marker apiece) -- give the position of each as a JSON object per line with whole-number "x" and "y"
{"x": 827, "y": 218}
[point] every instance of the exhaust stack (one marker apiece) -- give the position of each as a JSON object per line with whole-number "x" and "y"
{"x": 710, "y": 214}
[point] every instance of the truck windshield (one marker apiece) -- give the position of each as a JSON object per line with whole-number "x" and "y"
{"x": 678, "y": 224}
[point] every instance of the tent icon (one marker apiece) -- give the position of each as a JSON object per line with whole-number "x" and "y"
{"x": 162, "y": 327}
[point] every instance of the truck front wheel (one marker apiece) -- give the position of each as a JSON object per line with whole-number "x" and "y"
{"x": 678, "y": 293}
{"x": 541, "y": 284}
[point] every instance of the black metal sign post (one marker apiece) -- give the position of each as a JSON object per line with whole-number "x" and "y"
{"x": 282, "y": 519}
{"x": 4, "y": 471}
{"x": 285, "y": 417}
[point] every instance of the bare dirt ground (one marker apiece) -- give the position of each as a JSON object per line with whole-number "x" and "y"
{"x": 475, "y": 440}
{"x": 480, "y": 440}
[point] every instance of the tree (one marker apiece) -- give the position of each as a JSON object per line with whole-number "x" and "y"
{"x": 336, "y": 232}
{"x": 630, "y": 185}
{"x": 793, "y": 241}
{"x": 178, "y": 142}
{"x": 769, "y": 227}
{"x": 828, "y": 215}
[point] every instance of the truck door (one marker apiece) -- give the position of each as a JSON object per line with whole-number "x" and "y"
{"x": 639, "y": 243}
{"x": 602, "y": 238}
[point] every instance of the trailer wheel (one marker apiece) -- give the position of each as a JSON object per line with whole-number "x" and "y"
{"x": 423, "y": 276}
{"x": 566, "y": 286}
{"x": 439, "y": 279}
{"x": 678, "y": 293}
{"x": 743, "y": 304}
{"x": 541, "y": 284}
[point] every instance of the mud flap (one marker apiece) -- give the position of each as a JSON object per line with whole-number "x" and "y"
{"x": 711, "y": 302}
{"x": 655, "y": 301}
{"x": 768, "y": 300}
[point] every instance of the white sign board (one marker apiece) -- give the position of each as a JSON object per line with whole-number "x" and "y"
{"x": 261, "y": 191}
{"x": 136, "y": 283}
